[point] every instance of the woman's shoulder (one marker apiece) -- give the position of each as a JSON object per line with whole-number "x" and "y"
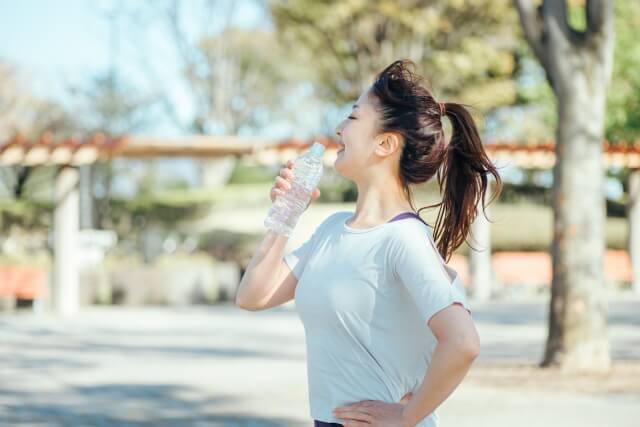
{"x": 340, "y": 214}
{"x": 333, "y": 219}
{"x": 409, "y": 236}
{"x": 411, "y": 228}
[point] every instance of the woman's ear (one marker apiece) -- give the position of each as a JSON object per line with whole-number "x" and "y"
{"x": 389, "y": 142}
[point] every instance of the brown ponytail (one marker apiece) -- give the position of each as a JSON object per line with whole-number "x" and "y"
{"x": 465, "y": 169}
{"x": 461, "y": 166}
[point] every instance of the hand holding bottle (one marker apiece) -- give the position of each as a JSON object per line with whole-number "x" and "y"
{"x": 295, "y": 189}
{"x": 283, "y": 184}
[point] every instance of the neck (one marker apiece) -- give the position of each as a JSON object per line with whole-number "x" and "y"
{"x": 379, "y": 200}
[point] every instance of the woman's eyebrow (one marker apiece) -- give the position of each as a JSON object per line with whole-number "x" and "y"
{"x": 355, "y": 106}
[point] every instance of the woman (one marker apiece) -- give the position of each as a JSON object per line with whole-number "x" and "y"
{"x": 388, "y": 329}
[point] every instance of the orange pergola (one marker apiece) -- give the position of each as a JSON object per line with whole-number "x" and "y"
{"x": 76, "y": 151}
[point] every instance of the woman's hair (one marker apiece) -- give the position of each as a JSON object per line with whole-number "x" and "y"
{"x": 407, "y": 107}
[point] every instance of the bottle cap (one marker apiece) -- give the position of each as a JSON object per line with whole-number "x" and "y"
{"x": 316, "y": 149}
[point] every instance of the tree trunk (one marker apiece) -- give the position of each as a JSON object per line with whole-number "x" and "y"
{"x": 577, "y": 337}
{"x": 578, "y": 67}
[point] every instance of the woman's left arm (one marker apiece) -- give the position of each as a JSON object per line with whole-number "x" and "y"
{"x": 458, "y": 346}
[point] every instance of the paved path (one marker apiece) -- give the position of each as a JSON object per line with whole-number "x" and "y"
{"x": 221, "y": 366}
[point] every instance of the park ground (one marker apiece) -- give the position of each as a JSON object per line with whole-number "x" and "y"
{"x": 222, "y": 366}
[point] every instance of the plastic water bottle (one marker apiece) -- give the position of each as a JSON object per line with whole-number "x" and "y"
{"x": 287, "y": 208}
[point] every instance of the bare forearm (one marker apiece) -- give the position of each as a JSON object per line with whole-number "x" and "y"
{"x": 449, "y": 365}
{"x": 264, "y": 265}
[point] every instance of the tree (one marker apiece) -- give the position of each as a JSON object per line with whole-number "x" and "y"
{"x": 106, "y": 103}
{"x": 233, "y": 75}
{"x": 465, "y": 49}
{"x": 578, "y": 66}
{"x": 623, "y": 96}
{"x": 233, "y": 80}
{"x": 23, "y": 113}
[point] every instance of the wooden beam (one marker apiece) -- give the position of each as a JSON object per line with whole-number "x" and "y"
{"x": 193, "y": 146}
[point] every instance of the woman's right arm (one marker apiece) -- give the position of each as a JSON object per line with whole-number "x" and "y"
{"x": 268, "y": 280}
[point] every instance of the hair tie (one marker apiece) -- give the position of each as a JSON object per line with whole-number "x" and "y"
{"x": 443, "y": 108}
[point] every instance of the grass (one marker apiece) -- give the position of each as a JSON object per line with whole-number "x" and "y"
{"x": 529, "y": 227}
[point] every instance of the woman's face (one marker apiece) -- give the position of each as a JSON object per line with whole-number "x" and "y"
{"x": 356, "y": 134}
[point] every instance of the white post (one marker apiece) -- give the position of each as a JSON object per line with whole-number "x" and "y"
{"x": 86, "y": 196}
{"x": 65, "y": 223}
{"x": 215, "y": 173}
{"x": 480, "y": 269}
{"x": 633, "y": 218}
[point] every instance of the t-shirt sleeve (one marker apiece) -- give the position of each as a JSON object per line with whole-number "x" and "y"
{"x": 420, "y": 269}
{"x": 297, "y": 258}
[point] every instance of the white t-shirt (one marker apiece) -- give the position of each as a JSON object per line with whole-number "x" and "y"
{"x": 364, "y": 297}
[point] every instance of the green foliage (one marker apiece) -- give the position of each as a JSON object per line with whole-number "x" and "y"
{"x": 464, "y": 48}
{"x": 24, "y": 213}
{"x": 623, "y": 99}
{"x": 164, "y": 209}
{"x": 623, "y": 96}
{"x": 171, "y": 209}
{"x": 250, "y": 94}
{"x": 243, "y": 173}
{"x": 508, "y": 232}
{"x": 576, "y": 17}
{"x": 229, "y": 245}
{"x": 334, "y": 188}
{"x": 108, "y": 103}
{"x": 534, "y": 89}
{"x": 525, "y": 193}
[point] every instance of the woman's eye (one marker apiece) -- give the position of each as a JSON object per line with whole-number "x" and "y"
{"x": 351, "y": 117}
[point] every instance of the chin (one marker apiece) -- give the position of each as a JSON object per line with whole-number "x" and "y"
{"x": 339, "y": 168}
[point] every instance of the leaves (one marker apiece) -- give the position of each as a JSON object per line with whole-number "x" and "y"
{"x": 457, "y": 44}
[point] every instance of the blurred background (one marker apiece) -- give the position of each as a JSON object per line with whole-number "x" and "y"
{"x": 138, "y": 144}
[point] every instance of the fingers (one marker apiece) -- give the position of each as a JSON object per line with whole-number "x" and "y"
{"x": 273, "y": 194}
{"x": 280, "y": 187}
{"x": 282, "y": 181}
{"x": 354, "y": 416}
{"x": 286, "y": 173}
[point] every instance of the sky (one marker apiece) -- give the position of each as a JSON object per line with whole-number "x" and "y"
{"x": 55, "y": 44}
{"x": 53, "y": 41}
